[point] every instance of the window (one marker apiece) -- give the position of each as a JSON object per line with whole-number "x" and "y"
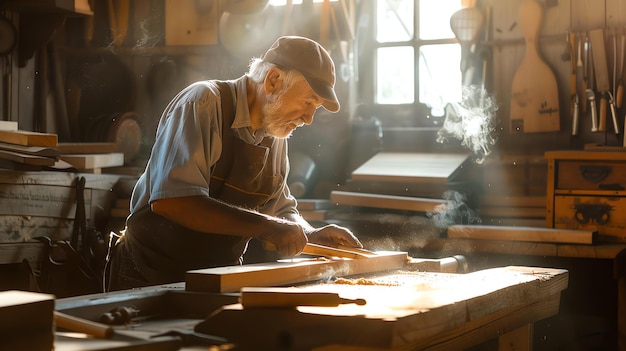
{"x": 416, "y": 61}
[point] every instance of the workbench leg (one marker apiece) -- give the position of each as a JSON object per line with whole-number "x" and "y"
{"x": 621, "y": 313}
{"x": 619, "y": 270}
{"x": 519, "y": 339}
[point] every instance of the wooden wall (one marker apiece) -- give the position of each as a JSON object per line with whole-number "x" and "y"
{"x": 559, "y": 18}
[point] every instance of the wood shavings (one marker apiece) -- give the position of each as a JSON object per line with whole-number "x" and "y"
{"x": 363, "y": 281}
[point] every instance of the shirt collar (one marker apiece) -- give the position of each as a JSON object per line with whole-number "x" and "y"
{"x": 242, "y": 125}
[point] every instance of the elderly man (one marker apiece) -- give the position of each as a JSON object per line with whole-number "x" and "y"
{"x": 216, "y": 177}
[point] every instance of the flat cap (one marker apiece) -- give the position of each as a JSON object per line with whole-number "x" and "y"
{"x": 312, "y": 60}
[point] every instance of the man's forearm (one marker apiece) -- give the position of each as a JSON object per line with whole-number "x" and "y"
{"x": 205, "y": 214}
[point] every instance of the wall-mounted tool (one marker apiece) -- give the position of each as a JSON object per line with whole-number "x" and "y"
{"x": 589, "y": 91}
{"x": 601, "y": 76}
{"x": 574, "y": 62}
{"x": 613, "y": 111}
{"x": 591, "y": 97}
{"x": 582, "y": 71}
{"x": 619, "y": 94}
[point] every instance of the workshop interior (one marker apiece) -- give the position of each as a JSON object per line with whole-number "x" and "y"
{"x": 479, "y": 155}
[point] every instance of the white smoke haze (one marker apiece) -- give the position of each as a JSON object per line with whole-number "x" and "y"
{"x": 472, "y": 122}
{"x": 454, "y": 211}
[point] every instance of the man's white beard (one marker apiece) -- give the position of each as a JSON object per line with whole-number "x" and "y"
{"x": 271, "y": 120}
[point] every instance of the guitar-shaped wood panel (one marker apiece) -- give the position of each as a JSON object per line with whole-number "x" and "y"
{"x": 534, "y": 93}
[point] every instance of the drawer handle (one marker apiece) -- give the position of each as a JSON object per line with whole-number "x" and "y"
{"x": 611, "y": 187}
{"x": 600, "y": 214}
{"x": 595, "y": 174}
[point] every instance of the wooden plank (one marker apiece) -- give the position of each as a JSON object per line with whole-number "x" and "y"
{"x": 8, "y": 125}
{"x": 27, "y": 159}
{"x": 545, "y": 235}
{"x": 386, "y": 201}
{"x": 403, "y": 311}
{"x": 93, "y": 161}
{"x": 513, "y": 201}
{"x": 86, "y": 148}
{"x": 31, "y": 150}
{"x": 513, "y": 212}
{"x": 514, "y": 222}
{"x": 449, "y": 246}
{"x": 233, "y": 278}
{"x": 26, "y": 138}
{"x": 411, "y": 167}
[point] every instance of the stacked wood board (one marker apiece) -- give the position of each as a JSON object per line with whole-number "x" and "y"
{"x": 30, "y": 149}
{"x": 26, "y": 150}
{"x": 531, "y": 234}
{"x": 91, "y": 157}
{"x": 404, "y": 181}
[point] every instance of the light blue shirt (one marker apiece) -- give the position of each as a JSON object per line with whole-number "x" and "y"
{"x": 189, "y": 142}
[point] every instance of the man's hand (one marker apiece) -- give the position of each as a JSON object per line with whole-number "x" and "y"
{"x": 287, "y": 238}
{"x": 334, "y": 235}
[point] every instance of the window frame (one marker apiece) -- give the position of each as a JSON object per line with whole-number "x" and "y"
{"x": 414, "y": 114}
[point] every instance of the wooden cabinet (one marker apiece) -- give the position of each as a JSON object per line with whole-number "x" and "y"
{"x": 587, "y": 190}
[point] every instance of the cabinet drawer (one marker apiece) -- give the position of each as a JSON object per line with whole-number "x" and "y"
{"x": 606, "y": 215}
{"x": 591, "y": 175}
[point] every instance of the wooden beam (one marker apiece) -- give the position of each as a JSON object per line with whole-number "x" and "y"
{"x": 233, "y": 278}
{"x": 93, "y": 161}
{"x": 386, "y": 201}
{"x": 545, "y": 235}
{"x": 26, "y": 138}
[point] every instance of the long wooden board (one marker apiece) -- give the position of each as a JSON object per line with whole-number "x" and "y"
{"x": 410, "y": 167}
{"x": 402, "y": 312}
{"x": 26, "y": 138}
{"x": 544, "y": 235}
{"x": 86, "y": 148}
{"x": 233, "y": 278}
{"x": 26, "y": 158}
{"x": 91, "y": 161}
{"x": 31, "y": 150}
{"x": 386, "y": 201}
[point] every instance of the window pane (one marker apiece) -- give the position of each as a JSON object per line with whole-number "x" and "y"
{"x": 439, "y": 76}
{"x": 394, "y": 20}
{"x": 434, "y": 18}
{"x": 395, "y": 75}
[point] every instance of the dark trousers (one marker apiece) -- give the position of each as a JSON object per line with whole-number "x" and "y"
{"x": 123, "y": 273}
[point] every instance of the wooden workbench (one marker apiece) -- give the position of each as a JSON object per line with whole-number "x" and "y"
{"x": 426, "y": 311}
{"x": 614, "y": 253}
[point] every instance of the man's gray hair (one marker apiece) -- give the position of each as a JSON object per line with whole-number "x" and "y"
{"x": 259, "y": 68}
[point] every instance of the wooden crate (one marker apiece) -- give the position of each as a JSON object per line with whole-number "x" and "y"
{"x": 44, "y": 203}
